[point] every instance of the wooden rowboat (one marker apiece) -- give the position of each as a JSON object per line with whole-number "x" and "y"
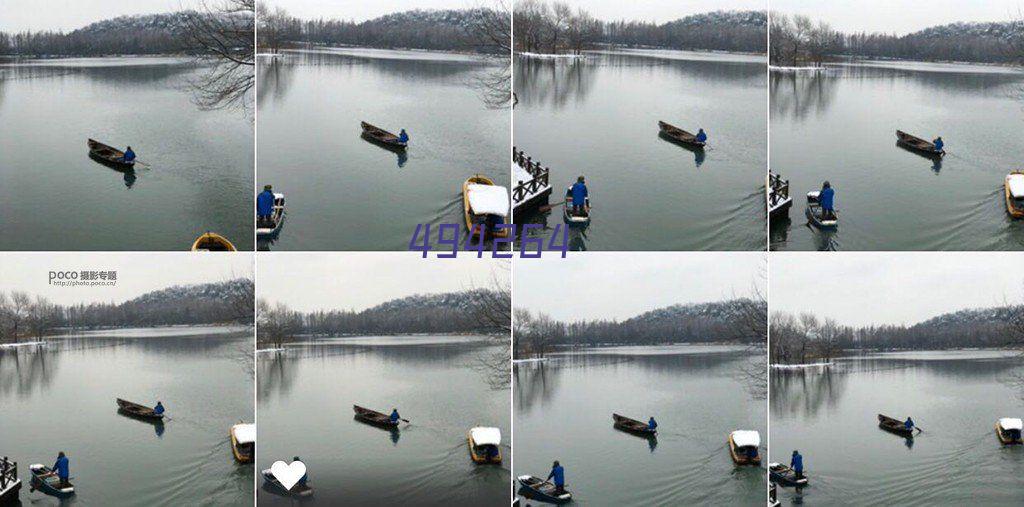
{"x": 274, "y": 486}
{"x": 483, "y": 445}
{"x": 743, "y": 447}
{"x": 373, "y": 417}
{"x": 273, "y": 225}
{"x": 816, "y": 216}
{"x": 212, "y": 242}
{"x": 633, "y": 426}
{"x": 572, "y": 217}
{"x": 673, "y": 133}
{"x": 1008, "y": 430}
{"x": 243, "y": 442}
{"x": 1013, "y": 187}
{"x": 380, "y": 136}
{"x": 917, "y": 144}
{"x": 484, "y": 220}
{"x": 49, "y": 484}
{"x": 542, "y": 490}
{"x": 108, "y": 155}
{"x": 894, "y": 426}
{"x": 782, "y": 474}
{"x": 140, "y": 411}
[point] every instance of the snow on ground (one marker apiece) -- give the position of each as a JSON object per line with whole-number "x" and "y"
{"x": 270, "y": 350}
{"x": 776, "y": 68}
{"x": 801, "y": 366}
{"x": 534, "y": 360}
{"x": 16, "y": 345}
{"x": 550, "y": 56}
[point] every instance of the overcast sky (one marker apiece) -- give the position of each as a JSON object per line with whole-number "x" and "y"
{"x": 137, "y": 273}
{"x": 67, "y": 15}
{"x": 621, "y": 285}
{"x": 356, "y": 281}
{"x": 899, "y": 16}
{"x": 888, "y": 288}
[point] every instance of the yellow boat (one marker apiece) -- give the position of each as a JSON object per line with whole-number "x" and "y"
{"x": 1013, "y": 187}
{"x": 1008, "y": 429}
{"x": 243, "y": 442}
{"x": 742, "y": 441}
{"x": 484, "y": 203}
{"x": 212, "y": 242}
{"x": 484, "y": 444}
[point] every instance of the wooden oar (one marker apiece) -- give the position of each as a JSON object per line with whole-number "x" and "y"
{"x": 405, "y": 420}
{"x": 143, "y": 163}
{"x": 547, "y": 207}
{"x": 918, "y": 428}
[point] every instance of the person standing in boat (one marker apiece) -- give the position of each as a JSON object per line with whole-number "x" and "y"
{"x": 265, "y": 204}
{"x": 797, "y": 464}
{"x": 403, "y": 136}
{"x": 701, "y": 136}
{"x": 579, "y": 196}
{"x": 652, "y": 424}
{"x": 61, "y": 468}
{"x": 557, "y": 476}
{"x": 159, "y": 408}
{"x": 394, "y": 416}
{"x": 909, "y": 424}
{"x": 826, "y": 198}
{"x": 129, "y": 155}
{"x": 938, "y": 144}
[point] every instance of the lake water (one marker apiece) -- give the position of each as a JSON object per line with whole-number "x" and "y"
{"x": 955, "y": 397}
{"x": 563, "y": 411}
{"x": 61, "y": 397}
{"x": 306, "y": 395}
{"x": 599, "y": 118}
{"x": 54, "y": 197}
{"x": 345, "y": 193}
{"x": 839, "y": 125}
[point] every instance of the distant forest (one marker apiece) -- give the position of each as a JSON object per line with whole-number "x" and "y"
{"x": 803, "y": 339}
{"x": 798, "y": 41}
{"x": 741, "y": 321}
{"x": 556, "y": 28}
{"x": 23, "y": 316}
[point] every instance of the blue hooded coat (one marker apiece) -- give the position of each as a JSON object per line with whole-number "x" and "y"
{"x": 579, "y": 193}
{"x": 558, "y": 474}
{"x": 61, "y": 467}
{"x": 826, "y": 198}
{"x": 265, "y": 203}
{"x": 797, "y": 463}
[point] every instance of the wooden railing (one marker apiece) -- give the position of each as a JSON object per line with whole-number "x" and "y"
{"x": 541, "y": 176}
{"x": 779, "y": 189}
{"x": 8, "y": 473}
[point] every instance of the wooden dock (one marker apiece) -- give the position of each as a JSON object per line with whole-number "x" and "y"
{"x": 779, "y": 200}
{"x": 10, "y": 485}
{"x": 532, "y": 185}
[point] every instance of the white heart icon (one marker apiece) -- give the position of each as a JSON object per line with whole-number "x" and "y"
{"x": 288, "y": 474}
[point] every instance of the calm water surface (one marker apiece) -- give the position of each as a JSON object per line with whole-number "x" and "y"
{"x": 956, "y": 397}
{"x": 839, "y": 125}
{"x": 345, "y": 193}
{"x": 54, "y": 197}
{"x": 61, "y": 397}
{"x": 564, "y": 412}
{"x": 599, "y": 118}
{"x": 306, "y": 395}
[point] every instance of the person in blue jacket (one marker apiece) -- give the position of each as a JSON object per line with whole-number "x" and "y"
{"x": 701, "y": 136}
{"x": 826, "y": 198}
{"x": 394, "y": 415}
{"x": 652, "y": 424}
{"x": 938, "y": 144}
{"x": 265, "y": 203}
{"x": 402, "y": 136}
{"x": 909, "y": 423}
{"x": 61, "y": 469}
{"x": 557, "y": 476}
{"x": 797, "y": 464}
{"x": 159, "y": 408}
{"x": 129, "y": 155}
{"x": 579, "y": 196}
{"x": 305, "y": 476}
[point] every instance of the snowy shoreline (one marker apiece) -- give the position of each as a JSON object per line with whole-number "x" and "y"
{"x": 800, "y": 366}
{"x": 16, "y": 345}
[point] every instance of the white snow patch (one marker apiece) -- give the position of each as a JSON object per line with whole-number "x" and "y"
{"x": 801, "y": 366}
{"x": 279, "y": 349}
{"x": 16, "y": 345}
{"x": 550, "y": 56}
{"x": 778, "y": 68}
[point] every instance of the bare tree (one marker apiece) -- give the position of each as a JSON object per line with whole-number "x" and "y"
{"x": 491, "y": 33}
{"x": 221, "y": 35}
{"x": 275, "y": 324}
{"x": 494, "y": 316}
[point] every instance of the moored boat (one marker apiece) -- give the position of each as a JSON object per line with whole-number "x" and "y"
{"x": 917, "y": 144}
{"x": 243, "y": 442}
{"x": 108, "y": 155}
{"x": 542, "y": 490}
{"x": 744, "y": 447}
{"x": 1008, "y": 429}
{"x": 573, "y": 217}
{"x": 275, "y": 486}
{"x": 271, "y": 226}
{"x": 633, "y": 426}
{"x": 673, "y": 133}
{"x": 785, "y": 475}
{"x": 484, "y": 444}
{"x": 381, "y": 136}
{"x": 894, "y": 426}
{"x": 49, "y": 484}
{"x": 485, "y": 205}
{"x": 140, "y": 411}
{"x": 817, "y": 216}
{"x": 1013, "y": 187}
{"x": 212, "y": 242}
{"x": 373, "y": 417}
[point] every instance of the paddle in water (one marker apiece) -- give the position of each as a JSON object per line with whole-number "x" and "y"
{"x": 547, "y": 207}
